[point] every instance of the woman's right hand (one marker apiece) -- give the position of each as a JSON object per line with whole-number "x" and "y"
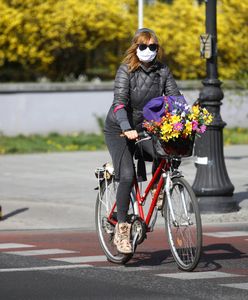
{"x": 131, "y": 134}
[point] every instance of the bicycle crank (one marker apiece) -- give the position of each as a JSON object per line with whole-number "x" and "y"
{"x": 138, "y": 231}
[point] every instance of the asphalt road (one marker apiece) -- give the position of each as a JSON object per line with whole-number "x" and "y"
{"x": 69, "y": 264}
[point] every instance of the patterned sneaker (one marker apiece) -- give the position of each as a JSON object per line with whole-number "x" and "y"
{"x": 122, "y": 238}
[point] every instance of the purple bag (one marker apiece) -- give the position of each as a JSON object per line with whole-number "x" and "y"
{"x": 155, "y": 108}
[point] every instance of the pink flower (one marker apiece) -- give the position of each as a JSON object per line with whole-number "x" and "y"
{"x": 178, "y": 126}
{"x": 203, "y": 128}
{"x": 194, "y": 125}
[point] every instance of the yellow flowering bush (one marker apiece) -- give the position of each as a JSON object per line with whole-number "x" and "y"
{"x": 232, "y": 38}
{"x": 57, "y": 38}
{"x": 179, "y": 26}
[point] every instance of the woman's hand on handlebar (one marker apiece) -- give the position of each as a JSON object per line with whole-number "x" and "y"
{"x": 131, "y": 134}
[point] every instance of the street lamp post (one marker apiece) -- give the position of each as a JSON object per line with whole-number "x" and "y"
{"x": 140, "y": 13}
{"x": 212, "y": 185}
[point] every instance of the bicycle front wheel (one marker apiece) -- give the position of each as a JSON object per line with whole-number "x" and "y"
{"x": 183, "y": 225}
{"x": 104, "y": 209}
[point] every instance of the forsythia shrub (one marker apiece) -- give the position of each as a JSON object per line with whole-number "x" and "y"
{"x": 50, "y": 35}
{"x": 232, "y": 38}
{"x": 55, "y": 38}
{"x": 179, "y": 27}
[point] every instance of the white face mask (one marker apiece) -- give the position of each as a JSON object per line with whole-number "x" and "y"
{"x": 146, "y": 55}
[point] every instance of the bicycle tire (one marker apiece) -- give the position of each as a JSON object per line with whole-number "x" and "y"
{"x": 105, "y": 230}
{"x": 184, "y": 236}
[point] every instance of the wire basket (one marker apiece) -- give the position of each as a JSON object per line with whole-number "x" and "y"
{"x": 180, "y": 147}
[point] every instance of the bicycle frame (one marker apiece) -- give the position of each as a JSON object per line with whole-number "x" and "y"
{"x": 140, "y": 199}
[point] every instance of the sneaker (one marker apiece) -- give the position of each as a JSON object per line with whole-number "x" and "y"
{"x": 122, "y": 238}
{"x": 160, "y": 199}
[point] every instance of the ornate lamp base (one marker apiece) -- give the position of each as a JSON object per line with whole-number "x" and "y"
{"x": 214, "y": 204}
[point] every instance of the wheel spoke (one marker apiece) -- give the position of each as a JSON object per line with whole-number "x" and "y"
{"x": 105, "y": 229}
{"x": 185, "y": 238}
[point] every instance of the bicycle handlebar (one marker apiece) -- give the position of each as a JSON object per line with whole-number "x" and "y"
{"x": 143, "y": 136}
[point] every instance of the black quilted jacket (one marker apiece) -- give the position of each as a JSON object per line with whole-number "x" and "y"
{"x": 135, "y": 89}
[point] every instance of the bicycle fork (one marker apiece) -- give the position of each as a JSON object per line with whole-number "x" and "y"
{"x": 168, "y": 187}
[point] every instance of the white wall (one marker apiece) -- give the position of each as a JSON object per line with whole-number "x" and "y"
{"x": 66, "y": 112}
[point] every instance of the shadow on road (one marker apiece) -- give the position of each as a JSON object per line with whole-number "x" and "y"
{"x": 155, "y": 258}
{"x": 236, "y": 157}
{"x": 13, "y": 213}
{"x": 210, "y": 260}
{"x": 240, "y": 196}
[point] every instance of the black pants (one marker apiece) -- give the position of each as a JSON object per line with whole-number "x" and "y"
{"x": 126, "y": 179}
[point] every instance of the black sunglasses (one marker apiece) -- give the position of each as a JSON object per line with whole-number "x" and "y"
{"x": 152, "y": 47}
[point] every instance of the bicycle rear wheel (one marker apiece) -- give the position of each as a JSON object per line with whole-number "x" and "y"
{"x": 185, "y": 232}
{"x": 105, "y": 201}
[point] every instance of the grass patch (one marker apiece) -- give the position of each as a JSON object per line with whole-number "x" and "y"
{"x": 51, "y": 143}
{"x": 55, "y": 142}
{"x": 235, "y": 136}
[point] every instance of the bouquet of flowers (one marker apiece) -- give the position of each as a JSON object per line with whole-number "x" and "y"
{"x": 177, "y": 121}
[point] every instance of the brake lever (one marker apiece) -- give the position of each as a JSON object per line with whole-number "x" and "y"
{"x": 144, "y": 139}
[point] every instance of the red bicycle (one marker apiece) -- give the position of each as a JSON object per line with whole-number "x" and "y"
{"x": 180, "y": 211}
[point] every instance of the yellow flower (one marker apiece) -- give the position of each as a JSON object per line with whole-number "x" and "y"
{"x": 196, "y": 110}
{"x": 191, "y": 117}
{"x": 208, "y": 119}
{"x": 166, "y": 131}
{"x": 188, "y": 128}
{"x": 205, "y": 111}
{"x": 175, "y": 134}
{"x": 175, "y": 119}
{"x": 166, "y": 128}
{"x": 165, "y": 138}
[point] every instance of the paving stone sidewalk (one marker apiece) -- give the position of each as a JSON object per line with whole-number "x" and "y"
{"x": 43, "y": 191}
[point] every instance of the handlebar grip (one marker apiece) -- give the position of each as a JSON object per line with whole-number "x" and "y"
{"x": 143, "y": 134}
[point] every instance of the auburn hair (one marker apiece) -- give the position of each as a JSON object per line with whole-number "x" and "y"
{"x": 131, "y": 59}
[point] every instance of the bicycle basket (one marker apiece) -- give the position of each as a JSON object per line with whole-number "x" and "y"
{"x": 179, "y": 147}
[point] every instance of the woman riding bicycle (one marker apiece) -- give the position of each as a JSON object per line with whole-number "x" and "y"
{"x": 141, "y": 77}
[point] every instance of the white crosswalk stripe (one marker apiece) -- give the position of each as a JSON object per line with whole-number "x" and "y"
{"x": 81, "y": 259}
{"x": 225, "y": 234}
{"x": 47, "y": 268}
{"x": 127, "y": 269}
{"x": 14, "y": 246}
{"x": 40, "y": 252}
{"x": 243, "y": 286}
{"x": 198, "y": 275}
